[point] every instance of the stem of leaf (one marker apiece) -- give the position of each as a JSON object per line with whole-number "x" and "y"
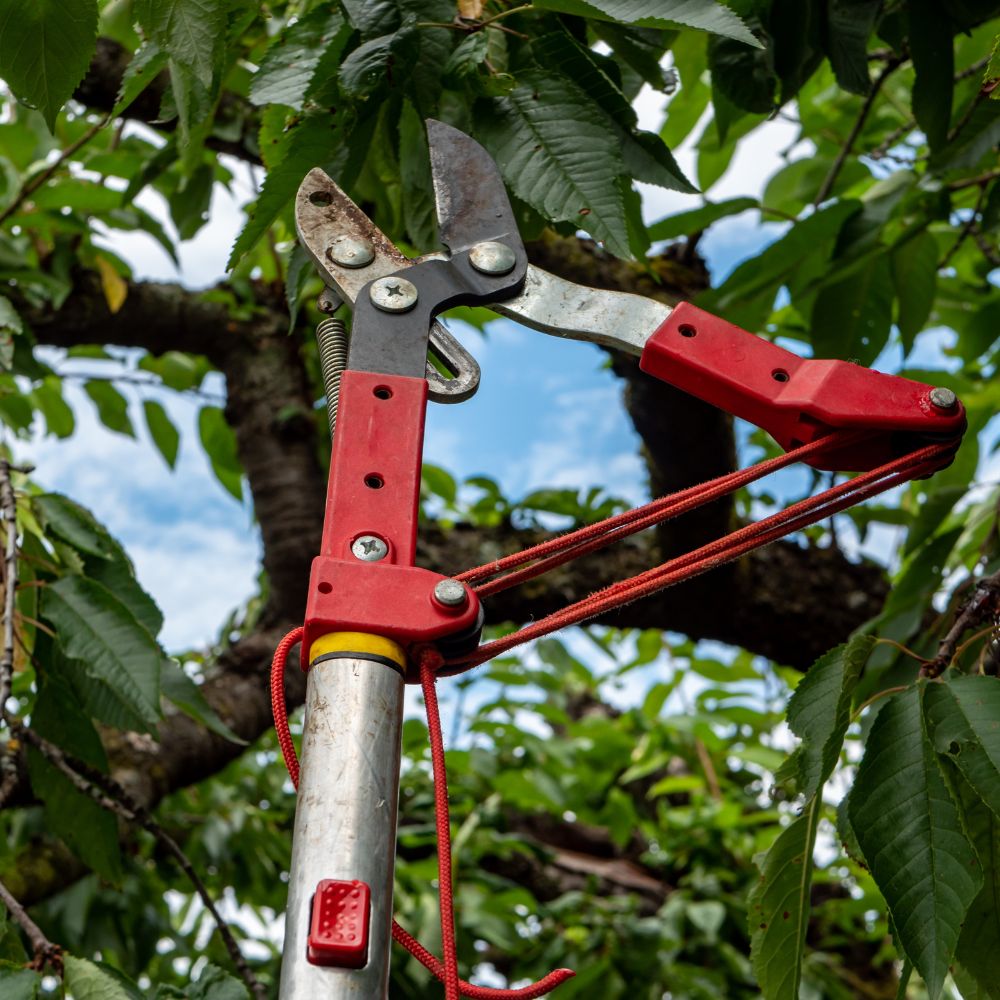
{"x": 898, "y": 689}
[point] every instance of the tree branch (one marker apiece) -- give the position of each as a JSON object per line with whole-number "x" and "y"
{"x": 45, "y": 953}
{"x": 826, "y": 187}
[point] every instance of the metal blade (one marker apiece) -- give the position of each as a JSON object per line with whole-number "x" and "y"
{"x": 472, "y": 203}
{"x": 323, "y": 214}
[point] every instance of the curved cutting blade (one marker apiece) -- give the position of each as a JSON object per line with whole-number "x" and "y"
{"x": 472, "y": 203}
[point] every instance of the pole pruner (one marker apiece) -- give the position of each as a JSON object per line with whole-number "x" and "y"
{"x": 374, "y": 620}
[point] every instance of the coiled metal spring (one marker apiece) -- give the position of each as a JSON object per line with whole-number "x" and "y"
{"x": 331, "y": 334}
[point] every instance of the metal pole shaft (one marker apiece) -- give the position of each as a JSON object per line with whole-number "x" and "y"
{"x": 345, "y": 818}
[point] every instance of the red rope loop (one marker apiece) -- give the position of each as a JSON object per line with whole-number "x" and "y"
{"x": 430, "y": 662}
{"x": 532, "y": 562}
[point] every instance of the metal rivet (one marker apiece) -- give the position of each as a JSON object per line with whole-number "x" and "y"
{"x": 369, "y": 548}
{"x": 394, "y": 295}
{"x": 492, "y": 258}
{"x": 349, "y": 251}
{"x": 943, "y": 399}
{"x": 450, "y": 593}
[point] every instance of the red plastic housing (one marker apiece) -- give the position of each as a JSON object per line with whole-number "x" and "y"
{"x": 796, "y": 400}
{"x": 338, "y": 930}
{"x": 374, "y": 489}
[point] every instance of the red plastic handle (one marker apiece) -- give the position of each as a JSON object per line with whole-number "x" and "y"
{"x": 796, "y": 400}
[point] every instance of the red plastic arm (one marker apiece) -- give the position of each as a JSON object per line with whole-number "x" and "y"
{"x": 797, "y": 400}
{"x": 374, "y": 491}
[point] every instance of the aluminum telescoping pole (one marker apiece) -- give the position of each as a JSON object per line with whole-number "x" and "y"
{"x": 345, "y": 819}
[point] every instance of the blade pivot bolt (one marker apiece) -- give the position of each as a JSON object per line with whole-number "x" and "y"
{"x": 393, "y": 295}
{"x": 492, "y": 258}
{"x": 450, "y": 593}
{"x": 349, "y": 251}
{"x": 369, "y": 548}
{"x": 943, "y": 399}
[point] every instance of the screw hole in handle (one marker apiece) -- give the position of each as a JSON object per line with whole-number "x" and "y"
{"x": 687, "y": 330}
{"x": 374, "y": 481}
{"x": 780, "y": 375}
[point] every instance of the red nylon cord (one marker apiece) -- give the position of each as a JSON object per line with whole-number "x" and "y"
{"x": 716, "y": 553}
{"x": 560, "y": 550}
{"x": 447, "y": 971}
{"x": 631, "y": 521}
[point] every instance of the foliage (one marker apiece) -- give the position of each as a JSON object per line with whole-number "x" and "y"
{"x": 889, "y": 214}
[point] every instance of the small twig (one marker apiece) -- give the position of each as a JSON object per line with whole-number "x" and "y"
{"x": 151, "y": 382}
{"x": 43, "y": 950}
{"x": 967, "y": 182}
{"x": 966, "y": 230}
{"x": 984, "y": 603}
{"x": 39, "y": 179}
{"x": 831, "y": 178}
{"x": 8, "y": 513}
{"x": 109, "y": 794}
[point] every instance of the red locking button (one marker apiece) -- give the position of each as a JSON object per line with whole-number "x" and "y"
{"x": 338, "y": 930}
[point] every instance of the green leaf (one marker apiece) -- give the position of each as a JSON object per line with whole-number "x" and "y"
{"x": 190, "y": 202}
{"x": 188, "y": 697}
{"x": 112, "y": 407}
{"x": 964, "y": 718}
{"x": 299, "y": 269}
{"x": 648, "y": 160}
{"x": 778, "y": 906}
{"x": 219, "y": 442}
{"x": 819, "y": 711}
{"x": 439, "y": 482}
{"x": 705, "y": 15}
{"x": 74, "y": 524}
{"x": 215, "y": 984}
{"x": 162, "y": 430}
{"x": 698, "y": 219}
{"x": 979, "y": 944}
{"x": 286, "y": 72}
{"x": 195, "y": 104}
{"x": 45, "y": 49}
{"x": 89, "y": 831}
{"x": 933, "y": 56}
{"x": 147, "y": 63}
{"x": 977, "y": 138}
{"x": 852, "y": 318}
{"x": 559, "y": 155}
{"x": 849, "y": 23}
{"x": 743, "y": 75}
{"x": 914, "y": 277}
{"x": 48, "y": 398}
{"x": 311, "y": 144}
{"x": 767, "y": 268}
{"x": 118, "y": 654}
{"x": 190, "y": 31}
{"x": 11, "y": 326}
{"x": 419, "y": 213}
{"x": 17, "y": 983}
{"x": 911, "y": 835}
{"x": 383, "y": 60}
{"x": 97, "y": 981}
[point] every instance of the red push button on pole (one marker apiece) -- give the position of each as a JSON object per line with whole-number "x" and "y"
{"x": 338, "y": 931}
